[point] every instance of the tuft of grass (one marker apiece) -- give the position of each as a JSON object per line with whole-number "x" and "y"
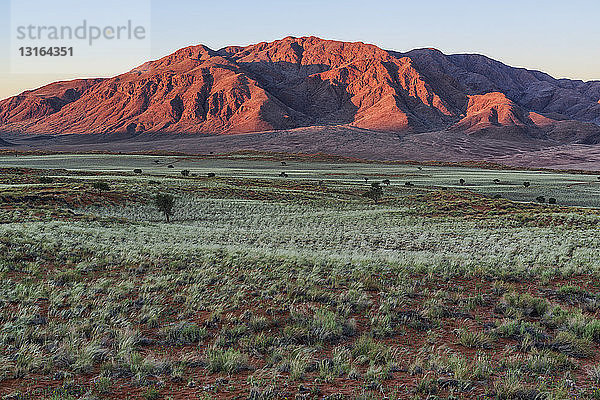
{"x": 569, "y": 344}
{"x": 184, "y": 332}
{"x": 229, "y": 360}
{"x": 524, "y": 304}
{"x": 594, "y": 373}
{"x": 474, "y": 339}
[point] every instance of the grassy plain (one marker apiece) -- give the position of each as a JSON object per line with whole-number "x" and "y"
{"x": 265, "y": 286}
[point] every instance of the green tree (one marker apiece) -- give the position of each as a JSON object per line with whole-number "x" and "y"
{"x": 375, "y": 193}
{"x": 164, "y": 202}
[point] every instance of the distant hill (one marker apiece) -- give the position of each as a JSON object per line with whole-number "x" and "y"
{"x": 307, "y": 82}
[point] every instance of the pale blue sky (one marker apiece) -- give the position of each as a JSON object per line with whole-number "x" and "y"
{"x": 558, "y": 37}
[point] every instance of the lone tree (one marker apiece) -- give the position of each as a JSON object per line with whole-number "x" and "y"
{"x": 496, "y": 181}
{"x": 185, "y": 172}
{"x": 137, "y": 171}
{"x": 526, "y": 184}
{"x": 461, "y": 181}
{"x": 164, "y": 202}
{"x": 375, "y": 193}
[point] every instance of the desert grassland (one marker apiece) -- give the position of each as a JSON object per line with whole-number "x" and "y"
{"x": 268, "y": 287}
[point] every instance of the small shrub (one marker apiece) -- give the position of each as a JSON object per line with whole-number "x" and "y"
{"x": 526, "y": 184}
{"x": 137, "y": 171}
{"x": 102, "y": 384}
{"x": 151, "y": 394}
{"x": 185, "y": 172}
{"x": 103, "y": 186}
{"x": 551, "y": 200}
{"x": 594, "y": 373}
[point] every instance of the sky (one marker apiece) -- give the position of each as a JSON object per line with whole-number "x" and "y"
{"x": 558, "y": 37}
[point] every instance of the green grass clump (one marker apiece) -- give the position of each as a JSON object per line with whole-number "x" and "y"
{"x": 474, "y": 339}
{"x": 184, "y": 332}
{"x": 526, "y": 305}
{"x": 225, "y": 360}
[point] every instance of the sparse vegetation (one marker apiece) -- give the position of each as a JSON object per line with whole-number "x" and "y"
{"x": 261, "y": 287}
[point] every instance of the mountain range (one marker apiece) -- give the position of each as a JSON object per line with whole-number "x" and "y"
{"x": 307, "y": 84}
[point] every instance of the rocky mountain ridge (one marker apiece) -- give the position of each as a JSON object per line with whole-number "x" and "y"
{"x": 303, "y": 82}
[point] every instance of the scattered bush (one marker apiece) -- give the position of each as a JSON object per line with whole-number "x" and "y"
{"x": 375, "y": 193}
{"x": 103, "y": 186}
{"x": 164, "y": 202}
{"x": 45, "y": 180}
